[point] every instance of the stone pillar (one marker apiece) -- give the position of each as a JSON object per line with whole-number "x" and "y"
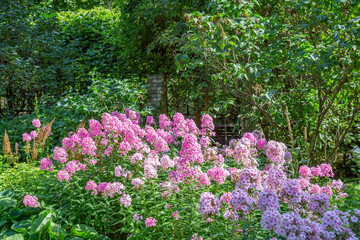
{"x": 155, "y": 84}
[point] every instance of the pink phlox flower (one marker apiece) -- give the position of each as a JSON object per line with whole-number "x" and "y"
{"x": 326, "y": 170}
{"x": 95, "y": 128}
{"x": 63, "y": 174}
{"x": 327, "y": 190}
{"x": 108, "y": 150}
{"x": 150, "y": 120}
{"x": 196, "y": 237}
{"x": 316, "y": 171}
{"x": 88, "y": 146}
{"x": 207, "y": 125}
{"x": 137, "y": 217}
{"x": 261, "y": 144}
{"x": 205, "y": 141}
{"x": 268, "y": 199}
{"x": 314, "y": 189}
{"x": 31, "y": 201}
{"x": 166, "y": 162}
{"x": 191, "y": 127}
{"x": 250, "y": 178}
{"x": 319, "y": 202}
{"x": 203, "y": 179}
{"x": 161, "y": 145}
{"x": 174, "y": 177}
{"x": 304, "y": 183}
{"x": 102, "y": 186}
{"x": 104, "y": 142}
{"x": 150, "y": 171}
{"x": 275, "y": 177}
{"x": 167, "y": 136}
{"x": 209, "y": 204}
{"x": 226, "y": 197}
{"x": 120, "y": 172}
{"x": 175, "y": 215}
{"x": 124, "y": 148}
{"x": 68, "y": 144}
{"x": 34, "y": 134}
{"x": 112, "y": 188}
{"x": 240, "y": 201}
{"x": 150, "y": 222}
{"x": 305, "y": 172}
{"x": 46, "y": 164}
{"x": 73, "y": 166}
{"x": 26, "y": 137}
{"x": 165, "y": 122}
{"x": 60, "y": 154}
{"x": 218, "y": 174}
{"x": 83, "y": 133}
{"x": 92, "y": 161}
{"x": 291, "y": 190}
{"x": 91, "y": 185}
{"x": 152, "y": 159}
{"x": 125, "y": 200}
{"x": 180, "y": 127}
{"x": 242, "y": 154}
{"x": 136, "y": 158}
{"x": 138, "y": 182}
{"x": 291, "y": 226}
{"x": 275, "y": 151}
{"x": 36, "y": 123}
{"x": 338, "y": 185}
{"x": 191, "y": 151}
{"x": 252, "y": 139}
{"x": 270, "y": 218}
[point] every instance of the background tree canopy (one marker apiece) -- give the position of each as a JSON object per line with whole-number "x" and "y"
{"x": 289, "y": 68}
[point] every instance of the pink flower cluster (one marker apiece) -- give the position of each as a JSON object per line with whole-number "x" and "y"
{"x": 179, "y": 156}
{"x": 31, "y": 201}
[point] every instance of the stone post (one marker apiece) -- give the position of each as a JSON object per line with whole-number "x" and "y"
{"x": 155, "y": 85}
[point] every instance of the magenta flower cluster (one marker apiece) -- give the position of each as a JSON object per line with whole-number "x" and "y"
{"x": 179, "y": 155}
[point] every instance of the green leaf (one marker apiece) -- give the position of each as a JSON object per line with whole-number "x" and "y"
{"x": 15, "y": 237}
{"x": 82, "y": 230}
{"x": 22, "y": 226}
{"x": 7, "y": 193}
{"x": 58, "y": 231}
{"x": 6, "y": 202}
{"x": 41, "y": 222}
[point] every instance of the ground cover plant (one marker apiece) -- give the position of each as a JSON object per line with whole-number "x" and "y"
{"x": 124, "y": 177}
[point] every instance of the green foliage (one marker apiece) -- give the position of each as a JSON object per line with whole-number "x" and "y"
{"x": 298, "y": 54}
{"x": 31, "y": 223}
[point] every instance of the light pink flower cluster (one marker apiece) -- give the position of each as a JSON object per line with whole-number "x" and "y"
{"x": 268, "y": 199}
{"x": 218, "y": 174}
{"x": 125, "y": 200}
{"x": 207, "y": 125}
{"x": 275, "y": 151}
{"x": 137, "y": 217}
{"x": 26, "y": 137}
{"x": 209, "y": 204}
{"x": 319, "y": 202}
{"x": 36, "y": 123}
{"x": 137, "y": 182}
{"x": 46, "y": 164}
{"x": 240, "y": 201}
{"x": 31, "y": 201}
{"x": 178, "y": 156}
{"x": 150, "y": 222}
{"x": 60, "y": 154}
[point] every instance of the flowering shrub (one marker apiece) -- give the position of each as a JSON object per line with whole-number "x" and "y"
{"x": 117, "y": 172}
